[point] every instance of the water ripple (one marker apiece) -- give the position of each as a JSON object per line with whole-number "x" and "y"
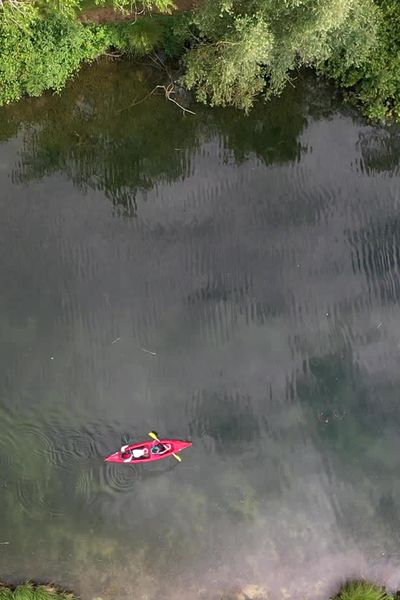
{"x": 119, "y": 478}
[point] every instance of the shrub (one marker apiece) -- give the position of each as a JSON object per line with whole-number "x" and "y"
{"x": 363, "y": 590}
{"x": 39, "y": 52}
{"x": 28, "y": 591}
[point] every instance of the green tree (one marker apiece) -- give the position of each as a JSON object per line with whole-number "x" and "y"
{"x": 38, "y": 52}
{"x": 245, "y": 47}
{"x": 374, "y": 80}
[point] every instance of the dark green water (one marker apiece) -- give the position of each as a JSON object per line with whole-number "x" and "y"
{"x": 258, "y": 258}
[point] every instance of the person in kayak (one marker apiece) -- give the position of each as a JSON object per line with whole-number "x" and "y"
{"x": 160, "y": 448}
{"x": 157, "y": 448}
{"x": 134, "y": 453}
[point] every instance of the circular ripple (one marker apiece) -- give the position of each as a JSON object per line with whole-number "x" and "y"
{"x": 85, "y": 486}
{"x": 120, "y": 478}
{"x": 39, "y": 443}
{"x": 82, "y": 445}
{"x": 29, "y": 495}
{"x": 7, "y": 450}
{"x": 34, "y": 500}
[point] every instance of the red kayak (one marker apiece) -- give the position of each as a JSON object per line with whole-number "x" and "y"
{"x": 148, "y": 451}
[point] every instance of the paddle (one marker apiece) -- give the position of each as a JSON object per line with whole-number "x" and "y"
{"x": 153, "y": 435}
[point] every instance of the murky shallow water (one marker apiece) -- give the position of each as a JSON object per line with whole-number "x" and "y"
{"x": 258, "y": 258}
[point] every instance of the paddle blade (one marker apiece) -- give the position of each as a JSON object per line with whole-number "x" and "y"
{"x": 154, "y": 435}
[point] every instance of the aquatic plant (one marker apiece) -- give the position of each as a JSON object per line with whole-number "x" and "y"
{"x": 363, "y": 590}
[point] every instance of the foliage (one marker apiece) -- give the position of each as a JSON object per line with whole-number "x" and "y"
{"x": 234, "y": 50}
{"x": 177, "y": 34}
{"x": 28, "y": 591}
{"x": 135, "y": 38}
{"x": 42, "y": 46}
{"x": 137, "y": 5}
{"x": 73, "y": 6}
{"x": 246, "y": 48}
{"x": 375, "y": 80}
{"x": 38, "y": 52}
{"x": 363, "y": 590}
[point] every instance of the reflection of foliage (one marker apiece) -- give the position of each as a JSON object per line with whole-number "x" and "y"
{"x": 380, "y": 149}
{"x": 363, "y": 590}
{"x": 270, "y": 132}
{"x": 98, "y": 141}
{"x": 102, "y": 135}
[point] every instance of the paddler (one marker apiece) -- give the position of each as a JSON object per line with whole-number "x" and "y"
{"x": 158, "y": 448}
{"x": 128, "y": 455}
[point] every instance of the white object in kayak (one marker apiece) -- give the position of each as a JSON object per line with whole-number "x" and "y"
{"x": 138, "y": 452}
{"x": 134, "y": 453}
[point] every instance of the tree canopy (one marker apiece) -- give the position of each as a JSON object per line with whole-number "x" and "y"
{"x": 247, "y": 47}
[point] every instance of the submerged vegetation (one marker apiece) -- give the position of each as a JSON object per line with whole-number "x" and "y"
{"x": 230, "y": 51}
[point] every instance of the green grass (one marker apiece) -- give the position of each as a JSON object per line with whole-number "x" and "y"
{"x": 362, "y": 590}
{"x": 29, "y": 591}
{"x": 136, "y": 39}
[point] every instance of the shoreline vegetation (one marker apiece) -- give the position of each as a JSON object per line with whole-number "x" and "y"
{"x": 352, "y": 590}
{"x": 31, "y": 591}
{"x": 226, "y": 52}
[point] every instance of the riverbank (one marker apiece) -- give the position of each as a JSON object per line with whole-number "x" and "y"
{"x": 228, "y": 57}
{"x": 353, "y": 590}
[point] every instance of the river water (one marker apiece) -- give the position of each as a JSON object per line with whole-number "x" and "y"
{"x": 228, "y": 279}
